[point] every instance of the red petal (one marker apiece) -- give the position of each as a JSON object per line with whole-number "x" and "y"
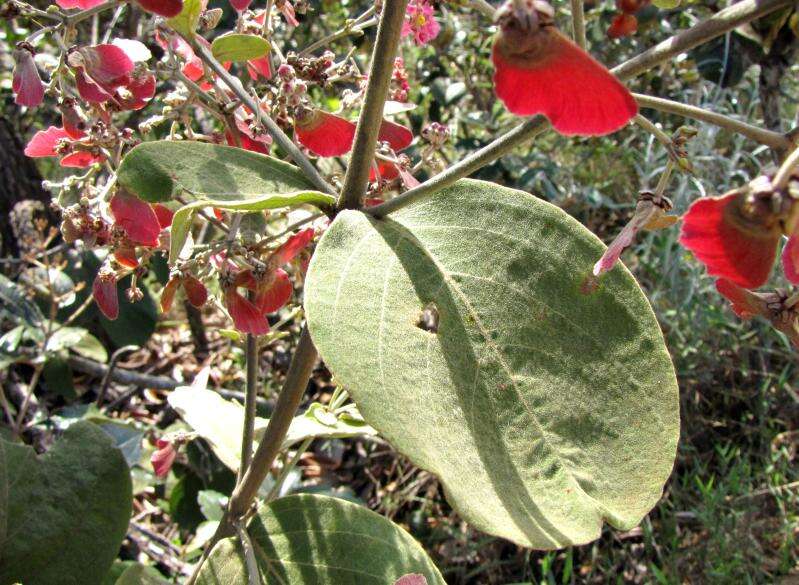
{"x": 325, "y": 134}
{"x": 545, "y": 73}
{"x": 44, "y": 142}
{"x": 163, "y": 459}
{"x": 137, "y": 218}
{"x": 240, "y": 5}
{"x": 719, "y": 237}
{"x": 398, "y": 137}
{"x": 246, "y": 317}
{"x": 168, "y": 294}
{"x": 276, "y": 294}
{"x": 26, "y": 83}
{"x": 411, "y": 579}
{"x": 72, "y": 120}
{"x": 138, "y": 92}
{"x": 623, "y": 25}
{"x": 107, "y": 64}
{"x": 293, "y": 246}
{"x": 247, "y": 143}
{"x": 245, "y": 279}
{"x": 744, "y": 303}
{"x": 89, "y": 90}
{"x": 80, "y": 159}
{"x": 166, "y": 8}
{"x": 385, "y": 171}
{"x": 260, "y": 67}
{"x": 287, "y": 10}
{"x": 195, "y": 291}
{"x": 126, "y": 255}
{"x": 104, "y": 290}
{"x": 82, "y": 4}
{"x": 164, "y": 215}
{"x": 790, "y": 259}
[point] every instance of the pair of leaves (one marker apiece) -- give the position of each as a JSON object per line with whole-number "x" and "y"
{"x": 62, "y": 515}
{"x": 215, "y": 176}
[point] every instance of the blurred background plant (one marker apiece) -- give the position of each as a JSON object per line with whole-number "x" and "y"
{"x": 730, "y": 513}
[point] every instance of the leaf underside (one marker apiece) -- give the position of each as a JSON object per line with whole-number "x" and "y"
{"x": 460, "y": 329}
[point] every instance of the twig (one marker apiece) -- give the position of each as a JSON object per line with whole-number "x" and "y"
{"x": 249, "y": 405}
{"x": 662, "y": 137}
{"x": 761, "y": 135}
{"x": 388, "y": 36}
{"x": 274, "y": 130}
{"x": 483, "y": 7}
{"x": 352, "y": 27}
{"x": 111, "y": 365}
{"x": 23, "y": 409}
{"x": 300, "y": 370}
{"x": 718, "y": 24}
{"x": 121, "y": 376}
{"x": 578, "y": 22}
{"x": 253, "y": 574}
{"x": 787, "y": 169}
{"x": 291, "y": 464}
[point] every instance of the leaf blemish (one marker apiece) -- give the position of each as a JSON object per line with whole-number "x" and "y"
{"x": 428, "y": 318}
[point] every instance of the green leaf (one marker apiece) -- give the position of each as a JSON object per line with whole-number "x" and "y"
{"x": 16, "y": 303}
{"x": 666, "y": 4}
{"x": 221, "y": 423}
{"x": 58, "y": 377}
{"x": 238, "y": 47}
{"x": 139, "y": 574}
{"x": 212, "y": 504}
{"x": 158, "y": 171}
{"x": 62, "y": 515}
{"x": 181, "y": 221}
{"x": 186, "y": 22}
{"x": 307, "y": 539}
{"x": 460, "y": 328}
{"x": 78, "y": 340}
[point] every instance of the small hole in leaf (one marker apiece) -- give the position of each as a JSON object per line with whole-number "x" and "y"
{"x": 428, "y": 318}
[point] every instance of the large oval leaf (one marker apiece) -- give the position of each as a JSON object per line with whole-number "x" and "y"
{"x": 157, "y": 171}
{"x": 309, "y": 540}
{"x": 461, "y": 331}
{"x": 62, "y": 515}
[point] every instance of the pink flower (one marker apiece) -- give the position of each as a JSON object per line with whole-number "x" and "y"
{"x": 420, "y": 21}
{"x": 57, "y": 141}
{"x": 137, "y": 218}
{"x": 26, "y": 83}
{"x": 196, "y": 293}
{"x": 287, "y": 10}
{"x": 99, "y": 70}
{"x": 163, "y": 458}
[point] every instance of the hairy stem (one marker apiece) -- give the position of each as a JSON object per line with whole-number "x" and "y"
{"x": 761, "y": 135}
{"x": 578, "y": 22}
{"x": 363, "y": 149}
{"x": 271, "y": 126}
{"x": 249, "y": 405}
{"x": 288, "y": 401}
{"x": 718, "y": 24}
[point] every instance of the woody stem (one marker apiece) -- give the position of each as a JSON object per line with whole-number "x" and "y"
{"x": 787, "y": 168}
{"x": 720, "y": 23}
{"x": 578, "y": 22}
{"x": 363, "y": 149}
{"x": 250, "y": 400}
{"x": 761, "y": 135}
{"x": 271, "y": 126}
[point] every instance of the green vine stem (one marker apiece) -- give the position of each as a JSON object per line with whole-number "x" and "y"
{"x": 718, "y": 24}
{"x": 388, "y": 36}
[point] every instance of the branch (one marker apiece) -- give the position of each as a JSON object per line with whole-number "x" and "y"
{"x": 249, "y": 405}
{"x": 718, "y": 24}
{"x": 761, "y": 135}
{"x": 274, "y": 130}
{"x": 578, "y": 22}
{"x": 786, "y": 170}
{"x": 722, "y": 22}
{"x": 388, "y": 37}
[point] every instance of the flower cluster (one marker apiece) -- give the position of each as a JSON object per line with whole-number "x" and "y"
{"x": 420, "y": 22}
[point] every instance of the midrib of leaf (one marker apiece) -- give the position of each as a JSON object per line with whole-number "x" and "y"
{"x": 268, "y": 560}
{"x": 488, "y": 342}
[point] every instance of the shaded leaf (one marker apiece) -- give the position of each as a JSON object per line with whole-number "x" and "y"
{"x": 305, "y": 539}
{"x": 543, "y": 410}
{"x": 62, "y": 515}
{"x": 186, "y": 22}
